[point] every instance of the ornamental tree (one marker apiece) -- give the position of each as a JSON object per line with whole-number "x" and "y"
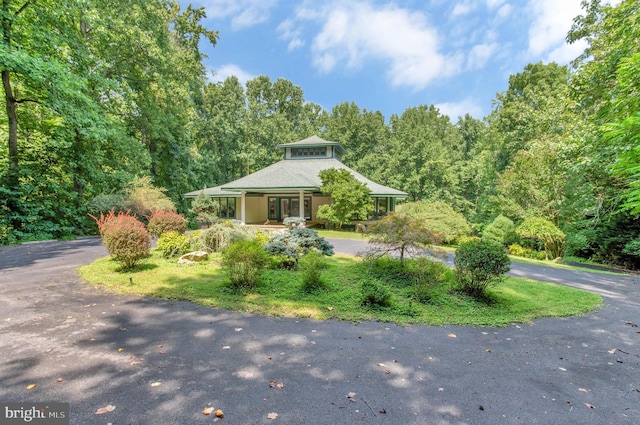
{"x": 350, "y": 197}
{"x": 541, "y": 229}
{"x": 399, "y": 233}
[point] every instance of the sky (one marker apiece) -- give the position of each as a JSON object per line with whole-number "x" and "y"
{"x": 388, "y": 56}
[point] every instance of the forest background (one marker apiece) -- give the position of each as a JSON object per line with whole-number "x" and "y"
{"x": 101, "y": 93}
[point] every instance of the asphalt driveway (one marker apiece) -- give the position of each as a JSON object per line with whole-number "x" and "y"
{"x": 162, "y": 362}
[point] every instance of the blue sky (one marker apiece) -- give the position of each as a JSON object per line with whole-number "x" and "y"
{"x": 390, "y": 55}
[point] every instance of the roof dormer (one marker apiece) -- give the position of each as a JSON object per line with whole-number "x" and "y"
{"x": 312, "y": 148}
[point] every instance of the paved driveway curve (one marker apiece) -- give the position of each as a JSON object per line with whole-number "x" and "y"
{"x": 583, "y": 370}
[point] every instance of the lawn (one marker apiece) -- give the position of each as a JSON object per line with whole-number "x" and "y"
{"x": 280, "y": 294}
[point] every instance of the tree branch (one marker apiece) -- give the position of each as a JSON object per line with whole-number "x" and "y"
{"x": 27, "y": 100}
{"x": 24, "y": 6}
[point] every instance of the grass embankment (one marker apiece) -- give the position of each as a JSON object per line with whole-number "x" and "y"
{"x": 280, "y": 294}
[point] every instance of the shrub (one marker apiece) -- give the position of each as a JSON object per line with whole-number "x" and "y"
{"x": 125, "y": 237}
{"x": 172, "y": 244}
{"x": 205, "y": 208}
{"x": 543, "y": 230}
{"x": 221, "y": 234}
{"x": 166, "y": 221}
{"x": 297, "y": 242}
{"x": 311, "y": 266}
{"x": 244, "y": 261}
{"x": 292, "y": 222}
{"x": 496, "y": 231}
{"x": 143, "y": 197}
{"x": 375, "y": 293}
{"x": 478, "y": 265}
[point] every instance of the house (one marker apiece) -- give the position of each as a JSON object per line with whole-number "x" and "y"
{"x": 277, "y": 191}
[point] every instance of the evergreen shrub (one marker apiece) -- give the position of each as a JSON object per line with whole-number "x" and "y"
{"x": 478, "y": 265}
{"x": 294, "y": 243}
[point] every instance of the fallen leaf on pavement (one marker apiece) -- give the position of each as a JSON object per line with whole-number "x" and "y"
{"x": 382, "y": 365}
{"x": 219, "y": 413}
{"x": 208, "y": 410}
{"x": 272, "y": 416}
{"x": 106, "y": 409}
{"x": 121, "y": 329}
{"x": 582, "y": 389}
{"x": 590, "y": 406}
{"x": 274, "y": 384}
{"x": 612, "y": 351}
{"x": 452, "y": 336}
{"x": 382, "y": 411}
{"x": 352, "y": 397}
{"x": 31, "y": 386}
{"x": 387, "y": 371}
{"x": 59, "y": 380}
{"x": 120, "y": 350}
{"x": 155, "y": 384}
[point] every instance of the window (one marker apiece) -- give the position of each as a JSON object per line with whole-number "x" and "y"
{"x": 307, "y": 152}
{"x": 227, "y": 207}
{"x": 283, "y": 207}
{"x": 380, "y": 207}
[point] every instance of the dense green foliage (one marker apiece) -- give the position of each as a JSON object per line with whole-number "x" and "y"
{"x": 439, "y": 217}
{"x": 349, "y": 198}
{"x": 311, "y": 266}
{"x": 244, "y": 261}
{"x": 106, "y": 106}
{"x": 171, "y": 244}
{"x": 479, "y": 265}
{"x": 498, "y": 229}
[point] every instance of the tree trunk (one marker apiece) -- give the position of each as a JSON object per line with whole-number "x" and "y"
{"x": 14, "y": 165}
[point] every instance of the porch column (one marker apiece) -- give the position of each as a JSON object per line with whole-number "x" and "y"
{"x": 301, "y": 203}
{"x": 242, "y": 207}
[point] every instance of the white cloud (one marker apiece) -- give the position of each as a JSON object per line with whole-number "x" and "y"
{"x": 288, "y": 32}
{"x": 463, "y": 8}
{"x": 567, "y": 52}
{"x": 356, "y": 32}
{"x": 552, "y": 20}
{"x": 480, "y": 54}
{"x": 243, "y": 13}
{"x": 492, "y": 4}
{"x": 220, "y": 74}
{"x": 460, "y": 109}
{"x": 505, "y": 11}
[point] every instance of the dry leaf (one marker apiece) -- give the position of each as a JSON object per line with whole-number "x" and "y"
{"x": 226, "y": 347}
{"x": 562, "y": 369}
{"x": 155, "y": 384}
{"x": 351, "y": 395}
{"x": 382, "y": 365}
{"x": 219, "y": 413}
{"x": 208, "y": 410}
{"x": 382, "y": 411}
{"x": 387, "y": 371}
{"x": 441, "y": 389}
{"x": 272, "y": 416}
{"x": 590, "y": 406}
{"x": 31, "y": 386}
{"x": 452, "y": 336}
{"x": 106, "y": 409}
{"x": 612, "y": 351}
{"x": 121, "y": 329}
{"x": 582, "y": 389}
{"x": 330, "y": 308}
{"x": 59, "y": 380}
{"x": 159, "y": 346}
{"x": 120, "y": 350}
{"x": 135, "y": 363}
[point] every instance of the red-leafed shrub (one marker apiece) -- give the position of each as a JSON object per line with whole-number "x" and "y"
{"x": 125, "y": 237}
{"x": 166, "y": 221}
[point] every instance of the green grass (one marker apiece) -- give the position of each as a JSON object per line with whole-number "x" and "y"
{"x": 280, "y": 294}
{"x": 342, "y": 234}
